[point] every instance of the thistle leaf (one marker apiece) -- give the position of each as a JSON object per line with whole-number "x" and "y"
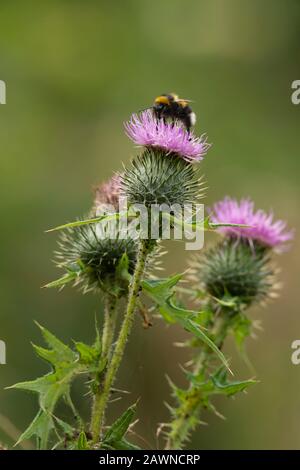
{"x": 63, "y": 353}
{"x": 39, "y": 427}
{"x": 223, "y": 386}
{"x": 82, "y": 443}
{"x": 52, "y": 386}
{"x": 94, "y": 220}
{"x": 88, "y": 354}
{"x": 115, "y": 436}
{"x": 122, "y": 270}
{"x": 73, "y": 272}
{"x": 204, "y": 225}
{"x": 67, "y": 429}
{"x": 241, "y": 330}
{"x": 162, "y": 292}
{"x": 62, "y": 281}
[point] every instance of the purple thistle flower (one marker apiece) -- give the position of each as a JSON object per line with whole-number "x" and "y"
{"x": 263, "y": 228}
{"x": 144, "y": 129}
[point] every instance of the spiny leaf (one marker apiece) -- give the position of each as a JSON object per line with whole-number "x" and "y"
{"x": 222, "y": 385}
{"x": 62, "y": 281}
{"x": 88, "y": 354}
{"x": 122, "y": 270}
{"x": 63, "y": 352}
{"x": 121, "y": 445}
{"x": 39, "y": 427}
{"x": 241, "y": 329}
{"x": 228, "y": 301}
{"x": 73, "y": 273}
{"x": 215, "y": 225}
{"x": 52, "y": 386}
{"x": 194, "y": 328}
{"x": 203, "y": 225}
{"x": 94, "y": 220}
{"x": 114, "y": 437}
{"x": 161, "y": 288}
{"x": 82, "y": 443}
{"x": 120, "y": 426}
{"x": 162, "y": 291}
{"x": 67, "y": 429}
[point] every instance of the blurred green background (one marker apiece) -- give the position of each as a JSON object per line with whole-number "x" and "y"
{"x": 74, "y": 72}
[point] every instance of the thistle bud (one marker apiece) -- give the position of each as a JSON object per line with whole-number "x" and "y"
{"x": 97, "y": 260}
{"x": 157, "y": 178}
{"x": 235, "y": 270}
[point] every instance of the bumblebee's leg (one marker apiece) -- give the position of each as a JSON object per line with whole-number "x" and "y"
{"x": 188, "y": 125}
{"x": 158, "y": 117}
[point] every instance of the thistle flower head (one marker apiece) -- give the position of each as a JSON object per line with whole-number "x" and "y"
{"x": 263, "y": 228}
{"x": 233, "y": 269}
{"x": 144, "y": 129}
{"x": 95, "y": 260}
{"x": 153, "y": 179}
{"x": 107, "y": 194}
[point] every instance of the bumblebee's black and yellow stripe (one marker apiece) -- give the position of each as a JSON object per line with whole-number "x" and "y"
{"x": 171, "y": 106}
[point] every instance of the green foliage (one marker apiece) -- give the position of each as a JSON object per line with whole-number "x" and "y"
{"x": 162, "y": 292}
{"x": 65, "y": 364}
{"x": 221, "y": 385}
{"x": 218, "y": 383}
{"x": 115, "y": 436}
{"x": 204, "y": 382}
{"x": 241, "y": 327}
{"x": 190, "y": 402}
{"x": 71, "y": 276}
{"x": 82, "y": 443}
{"x": 79, "y": 223}
{"x": 89, "y": 355}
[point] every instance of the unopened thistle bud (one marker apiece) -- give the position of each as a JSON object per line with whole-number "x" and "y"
{"x": 97, "y": 260}
{"x": 234, "y": 270}
{"x": 98, "y": 257}
{"x": 155, "y": 178}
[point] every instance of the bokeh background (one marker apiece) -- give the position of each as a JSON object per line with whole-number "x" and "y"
{"x": 74, "y": 72}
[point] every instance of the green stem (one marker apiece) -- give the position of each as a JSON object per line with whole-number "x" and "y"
{"x": 110, "y": 311}
{"x": 187, "y": 414}
{"x": 102, "y": 397}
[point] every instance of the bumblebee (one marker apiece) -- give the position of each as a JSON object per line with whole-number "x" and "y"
{"x": 170, "y": 106}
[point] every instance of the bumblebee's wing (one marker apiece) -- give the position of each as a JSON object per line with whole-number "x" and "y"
{"x": 181, "y": 100}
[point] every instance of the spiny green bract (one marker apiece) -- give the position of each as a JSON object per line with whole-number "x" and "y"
{"x": 95, "y": 260}
{"x": 157, "y": 178}
{"x": 237, "y": 270}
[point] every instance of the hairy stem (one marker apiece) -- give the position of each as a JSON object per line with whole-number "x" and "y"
{"x": 102, "y": 397}
{"x": 110, "y": 312}
{"x": 186, "y": 415}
